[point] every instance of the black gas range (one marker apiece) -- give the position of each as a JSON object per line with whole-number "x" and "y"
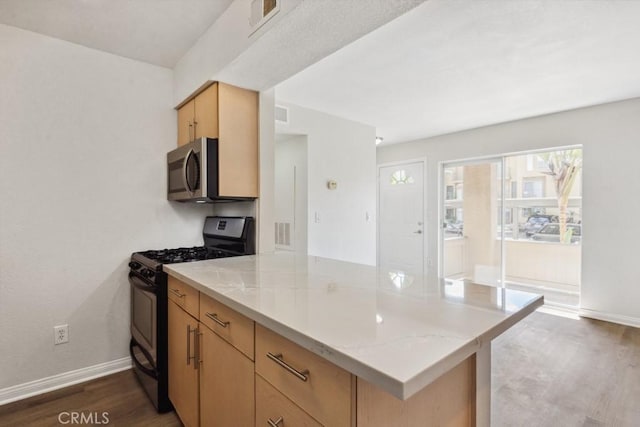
{"x": 223, "y": 237}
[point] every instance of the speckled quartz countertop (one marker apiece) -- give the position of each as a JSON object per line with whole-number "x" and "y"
{"x": 396, "y": 331}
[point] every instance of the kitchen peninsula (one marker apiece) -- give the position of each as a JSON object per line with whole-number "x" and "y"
{"x": 327, "y": 342}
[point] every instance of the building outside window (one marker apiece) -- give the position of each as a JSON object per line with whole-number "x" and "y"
{"x": 533, "y": 187}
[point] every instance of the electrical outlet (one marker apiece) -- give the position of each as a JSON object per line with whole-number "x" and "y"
{"x": 60, "y": 334}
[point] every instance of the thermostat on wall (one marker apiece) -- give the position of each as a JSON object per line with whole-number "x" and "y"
{"x": 332, "y": 185}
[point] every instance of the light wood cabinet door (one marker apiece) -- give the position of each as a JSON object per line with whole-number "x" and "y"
{"x": 226, "y": 384}
{"x": 228, "y": 324}
{"x": 184, "y": 296}
{"x": 206, "y": 113}
{"x": 186, "y": 116}
{"x": 273, "y": 405}
{"x": 183, "y": 375}
{"x": 320, "y": 388}
{"x": 238, "y": 147}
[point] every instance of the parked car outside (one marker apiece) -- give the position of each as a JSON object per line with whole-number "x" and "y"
{"x": 551, "y": 233}
{"x": 536, "y": 222}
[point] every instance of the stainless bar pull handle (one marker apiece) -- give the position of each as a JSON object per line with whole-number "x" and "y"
{"x": 177, "y": 293}
{"x": 214, "y": 317}
{"x": 275, "y": 423}
{"x": 190, "y": 127}
{"x": 301, "y": 375}
{"x": 196, "y": 348}
{"x": 195, "y": 127}
{"x": 188, "y": 345}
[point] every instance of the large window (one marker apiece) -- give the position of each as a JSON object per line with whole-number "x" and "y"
{"x": 531, "y": 237}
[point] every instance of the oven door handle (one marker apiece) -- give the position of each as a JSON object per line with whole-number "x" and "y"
{"x": 150, "y": 372}
{"x": 140, "y": 284}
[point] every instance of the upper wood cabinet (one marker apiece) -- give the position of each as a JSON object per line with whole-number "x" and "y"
{"x": 230, "y": 114}
{"x": 186, "y": 117}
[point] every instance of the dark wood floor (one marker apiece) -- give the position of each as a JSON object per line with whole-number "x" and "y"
{"x": 547, "y": 371}
{"x": 120, "y": 395}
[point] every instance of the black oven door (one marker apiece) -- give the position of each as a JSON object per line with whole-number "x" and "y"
{"x": 144, "y": 315}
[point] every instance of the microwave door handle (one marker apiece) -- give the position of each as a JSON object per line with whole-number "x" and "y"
{"x": 185, "y": 181}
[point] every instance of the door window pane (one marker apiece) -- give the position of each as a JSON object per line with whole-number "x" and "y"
{"x": 401, "y": 177}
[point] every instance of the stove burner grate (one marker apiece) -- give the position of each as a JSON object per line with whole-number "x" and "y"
{"x": 170, "y": 256}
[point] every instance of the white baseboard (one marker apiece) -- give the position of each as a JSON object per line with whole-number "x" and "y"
{"x": 608, "y": 317}
{"x": 33, "y": 388}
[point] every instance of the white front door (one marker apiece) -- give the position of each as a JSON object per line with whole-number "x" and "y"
{"x": 401, "y": 217}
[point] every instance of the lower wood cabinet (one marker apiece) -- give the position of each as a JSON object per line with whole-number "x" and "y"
{"x": 320, "y": 388}
{"x": 214, "y": 382}
{"x": 226, "y": 384}
{"x": 274, "y": 408}
{"x": 211, "y": 383}
{"x": 183, "y": 372}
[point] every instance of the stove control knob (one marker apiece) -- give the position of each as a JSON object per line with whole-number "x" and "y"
{"x": 134, "y": 265}
{"x": 148, "y": 273}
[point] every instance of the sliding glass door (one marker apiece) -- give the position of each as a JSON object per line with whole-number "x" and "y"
{"x": 515, "y": 221}
{"x": 473, "y": 221}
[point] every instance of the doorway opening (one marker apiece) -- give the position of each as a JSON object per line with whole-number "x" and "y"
{"x": 291, "y": 192}
{"x": 515, "y": 221}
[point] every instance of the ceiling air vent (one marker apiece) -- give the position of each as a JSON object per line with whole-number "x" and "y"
{"x": 262, "y": 11}
{"x": 282, "y": 114}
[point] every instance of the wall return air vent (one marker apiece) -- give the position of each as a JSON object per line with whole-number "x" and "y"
{"x": 261, "y": 12}
{"x": 281, "y": 114}
{"x": 283, "y": 235}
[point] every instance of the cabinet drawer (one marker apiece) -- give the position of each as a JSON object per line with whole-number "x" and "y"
{"x": 184, "y": 295}
{"x": 273, "y": 405}
{"x": 230, "y": 325}
{"x": 319, "y": 387}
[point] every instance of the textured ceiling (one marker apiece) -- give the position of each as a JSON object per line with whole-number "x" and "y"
{"x": 312, "y": 30}
{"x": 450, "y": 65}
{"x": 154, "y": 31}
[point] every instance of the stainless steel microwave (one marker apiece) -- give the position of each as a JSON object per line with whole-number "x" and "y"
{"x": 193, "y": 173}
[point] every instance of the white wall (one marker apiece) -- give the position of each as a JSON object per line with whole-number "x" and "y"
{"x": 83, "y": 142}
{"x": 299, "y": 35}
{"x": 344, "y": 151}
{"x": 219, "y": 46}
{"x": 610, "y": 135}
{"x": 291, "y": 187}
